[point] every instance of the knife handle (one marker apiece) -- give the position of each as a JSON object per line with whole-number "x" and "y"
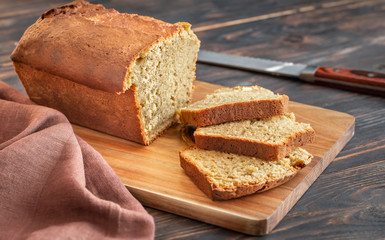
{"x": 364, "y": 81}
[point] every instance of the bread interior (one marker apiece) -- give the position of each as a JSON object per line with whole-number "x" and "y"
{"x": 273, "y": 130}
{"x": 228, "y": 171}
{"x": 162, "y": 78}
{"x": 234, "y": 95}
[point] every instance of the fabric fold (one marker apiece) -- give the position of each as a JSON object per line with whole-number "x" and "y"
{"x": 53, "y": 185}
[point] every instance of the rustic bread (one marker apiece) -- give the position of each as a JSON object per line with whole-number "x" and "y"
{"x": 266, "y": 138}
{"x": 223, "y": 176}
{"x": 230, "y": 104}
{"x": 119, "y": 73}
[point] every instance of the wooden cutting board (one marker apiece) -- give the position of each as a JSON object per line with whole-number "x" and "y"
{"x": 153, "y": 174}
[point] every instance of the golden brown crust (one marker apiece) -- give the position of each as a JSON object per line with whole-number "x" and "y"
{"x": 220, "y": 194}
{"x": 266, "y": 151}
{"x": 67, "y": 42}
{"x": 199, "y": 178}
{"x": 104, "y": 111}
{"x": 235, "y": 111}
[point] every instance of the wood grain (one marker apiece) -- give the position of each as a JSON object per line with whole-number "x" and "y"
{"x": 340, "y": 36}
{"x": 154, "y": 176}
{"x": 286, "y": 12}
{"x": 359, "y": 203}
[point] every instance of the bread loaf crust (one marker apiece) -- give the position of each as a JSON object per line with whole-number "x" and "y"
{"x": 262, "y": 150}
{"x": 92, "y": 107}
{"x": 196, "y": 176}
{"x": 66, "y": 42}
{"x": 235, "y": 111}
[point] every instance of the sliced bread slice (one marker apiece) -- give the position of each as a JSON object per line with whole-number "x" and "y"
{"x": 266, "y": 138}
{"x": 229, "y": 104}
{"x": 223, "y": 176}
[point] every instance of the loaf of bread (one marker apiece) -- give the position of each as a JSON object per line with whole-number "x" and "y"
{"x": 230, "y": 104}
{"x": 266, "y": 138}
{"x": 118, "y": 73}
{"x": 223, "y": 176}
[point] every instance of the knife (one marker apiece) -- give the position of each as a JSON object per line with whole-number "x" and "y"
{"x": 350, "y": 79}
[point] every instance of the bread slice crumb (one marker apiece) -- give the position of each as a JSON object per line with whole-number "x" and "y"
{"x": 223, "y": 176}
{"x": 266, "y": 138}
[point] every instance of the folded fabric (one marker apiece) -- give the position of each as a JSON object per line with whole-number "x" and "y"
{"x": 53, "y": 185}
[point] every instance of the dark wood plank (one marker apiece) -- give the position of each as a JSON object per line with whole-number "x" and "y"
{"x": 335, "y": 36}
{"x": 342, "y": 202}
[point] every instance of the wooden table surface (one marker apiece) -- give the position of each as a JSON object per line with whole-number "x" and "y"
{"x": 348, "y": 200}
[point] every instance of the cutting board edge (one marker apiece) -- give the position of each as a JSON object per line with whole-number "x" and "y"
{"x": 229, "y": 220}
{"x": 297, "y": 193}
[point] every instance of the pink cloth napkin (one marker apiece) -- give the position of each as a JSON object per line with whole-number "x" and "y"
{"x": 53, "y": 185}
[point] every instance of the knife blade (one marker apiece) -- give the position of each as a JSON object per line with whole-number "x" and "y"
{"x": 349, "y": 79}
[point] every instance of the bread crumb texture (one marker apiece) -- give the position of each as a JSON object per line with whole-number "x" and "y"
{"x": 233, "y": 95}
{"x": 229, "y": 171}
{"x": 272, "y": 130}
{"x": 162, "y": 78}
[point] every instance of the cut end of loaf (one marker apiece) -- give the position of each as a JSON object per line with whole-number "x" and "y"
{"x": 163, "y": 77}
{"x": 224, "y": 176}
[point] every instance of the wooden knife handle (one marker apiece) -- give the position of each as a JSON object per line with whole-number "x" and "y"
{"x": 364, "y": 81}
